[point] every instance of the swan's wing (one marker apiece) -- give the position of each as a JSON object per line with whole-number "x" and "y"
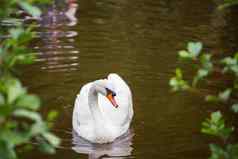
{"x": 81, "y": 113}
{"x": 122, "y": 115}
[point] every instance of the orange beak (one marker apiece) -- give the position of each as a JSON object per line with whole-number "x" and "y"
{"x": 111, "y": 98}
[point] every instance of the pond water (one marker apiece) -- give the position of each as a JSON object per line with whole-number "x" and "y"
{"x": 138, "y": 39}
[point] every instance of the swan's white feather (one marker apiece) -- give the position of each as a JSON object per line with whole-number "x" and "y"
{"x": 116, "y": 120}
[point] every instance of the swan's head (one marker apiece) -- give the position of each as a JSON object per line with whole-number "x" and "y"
{"x": 107, "y": 89}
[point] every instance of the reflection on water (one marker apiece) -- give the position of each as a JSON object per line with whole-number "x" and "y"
{"x": 57, "y": 52}
{"x": 120, "y": 148}
{"x": 58, "y": 17}
{"x": 70, "y": 13}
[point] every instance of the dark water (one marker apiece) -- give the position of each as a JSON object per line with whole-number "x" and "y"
{"x": 137, "y": 39}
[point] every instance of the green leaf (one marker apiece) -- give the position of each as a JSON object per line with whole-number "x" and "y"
{"x": 5, "y": 110}
{"x": 16, "y": 32}
{"x": 14, "y": 90}
{"x": 234, "y": 69}
{"x": 211, "y": 98}
{"x": 185, "y": 55}
{"x": 222, "y": 96}
{"x": 7, "y": 151}
{"x": 19, "y": 36}
{"x": 226, "y": 132}
{"x": 179, "y": 74}
{"x": 216, "y": 116}
{"x": 38, "y": 128}
{"x": 51, "y": 138}
{"x": 29, "y": 101}
{"x": 234, "y": 108}
{"x": 25, "y": 59}
{"x": 202, "y": 73}
{"x": 52, "y": 115}
{"x": 228, "y": 3}
{"x": 177, "y": 83}
{"x": 14, "y": 137}
{"x": 231, "y": 65}
{"x": 216, "y": 126}
{"x": 228, "y": 61}
{"x": 27, "y": 114}
{"x": 216, "y": 152}
{"x": 173, "y": 82}
{"x": 2, "y": 100}
{"x": 194, "y": 48}
{"x": 199, "y": 76}
{"x": 236, "y": 54}
{"x": 225, "y": 95}
{"x": 46, "y": 148}
{"x": 232, "y": 150}
{"x": 32, "y": 10}
{"x": 205, "y": 60}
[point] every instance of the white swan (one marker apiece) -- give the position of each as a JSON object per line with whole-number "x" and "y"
{"x": 103, "y": 110}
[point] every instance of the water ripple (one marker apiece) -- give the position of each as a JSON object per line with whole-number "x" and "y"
{"x": 56, "y": 50}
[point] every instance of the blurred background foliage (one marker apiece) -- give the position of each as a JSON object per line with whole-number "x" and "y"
{"x": 21, "y": 124}
{"x": 228, "y": 3}
{"x": 206, "y": 67}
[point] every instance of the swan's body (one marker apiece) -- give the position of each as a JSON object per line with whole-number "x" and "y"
{"x": 94, "y": 117}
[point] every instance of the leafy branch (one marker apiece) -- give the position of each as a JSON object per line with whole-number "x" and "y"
{"x": 204, "y": 68}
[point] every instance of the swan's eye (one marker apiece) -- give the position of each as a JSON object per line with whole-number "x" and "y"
{"x": 110, "y": 92}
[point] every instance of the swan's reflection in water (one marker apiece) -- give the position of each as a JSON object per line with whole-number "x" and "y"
{"x": 120, "y": 148}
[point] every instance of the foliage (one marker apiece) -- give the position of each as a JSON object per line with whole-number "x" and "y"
{"x": 221, "y": 97}
{"x": 215, "y": 125}
{"x": 205, "y": 67}
{"x": 229, "y": 152}
{"x": 193, "y": 53}
{"x": 228, "y": 3}
{"x": 177, "y": 82}
{"x": 20, "y": 122}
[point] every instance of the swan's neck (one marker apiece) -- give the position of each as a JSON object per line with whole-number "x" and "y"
{"x": 94, "y": 107}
